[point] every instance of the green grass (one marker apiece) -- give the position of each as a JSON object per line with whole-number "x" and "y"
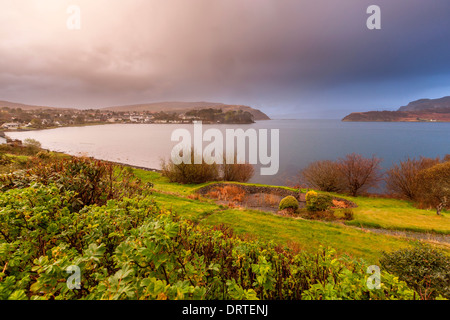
{"x": 389, "y": 214}
{"x": 185, "y": 207}
{"x": 396, "y": 214}
{"x": 371, "y": 212}
{"x": 163, "y": 184}
{"x": 309, "y": 235}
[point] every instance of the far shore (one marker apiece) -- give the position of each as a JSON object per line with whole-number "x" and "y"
{"x": 3, "y": 131}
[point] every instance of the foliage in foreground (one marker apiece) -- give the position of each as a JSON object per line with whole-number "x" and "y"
{"x": 425, "y": 269}
{"x": 131, "y": 249}
{"x": 92, "y": 181}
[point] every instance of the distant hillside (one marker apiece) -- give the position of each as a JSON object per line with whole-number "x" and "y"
{"x": 177, "y": 107}
{"x": 15, "y": 105}
{"x": 427, "y": 105}
{"x": 432, "y": 110}
{"x": 180, "y": 107}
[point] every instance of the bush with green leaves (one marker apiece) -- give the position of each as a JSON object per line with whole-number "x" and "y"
{"x": 32, "y": 144}
{"x": 93, "y": 181}
{"x": 4, "y": 159}
{"x": 423, "y": 268}
{"x": 288, "y": 202}
{"x": 318, "y": 201}
{"x": 132, "y": 249}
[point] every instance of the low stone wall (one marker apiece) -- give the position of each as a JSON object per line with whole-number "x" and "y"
{"x": 250, "y": 189}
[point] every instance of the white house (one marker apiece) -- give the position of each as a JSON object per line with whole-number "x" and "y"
{"x": 136, "y": 118}
{"x": 11, "y": 126}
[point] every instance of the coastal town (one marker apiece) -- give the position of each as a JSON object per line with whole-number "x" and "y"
{"x": 20, "y": 119}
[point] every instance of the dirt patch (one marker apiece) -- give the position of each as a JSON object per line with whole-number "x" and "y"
{"x": 258, "y": 197}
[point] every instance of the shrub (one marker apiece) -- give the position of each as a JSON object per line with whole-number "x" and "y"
{"x": 434, "y": 187}
{"x": 348, "y": 214}
{"x": 131, "y": 249}
{"x": 402, "y": 179}
{"x": 93, "y": 181}
{"x": 423, "y": 268}
{"x": 237, "y": 172}
{"x": 4, "y": 160}
{"x": 323, "y": 176}
{"x": 338, "y": 204}
{"x": 310, "y": 195}
{"x": 359, "y": 173}
{"x": 227, "y": 193}
{"x": 187, "y": 173}
{"x": 288, "y": 202}
{"x": 32, "y": 144}
{"x": 318, "y": 202}
{"x": 43, "y": 155}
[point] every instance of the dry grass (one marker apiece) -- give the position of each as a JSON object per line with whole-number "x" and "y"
{"x": 227, "y": 193}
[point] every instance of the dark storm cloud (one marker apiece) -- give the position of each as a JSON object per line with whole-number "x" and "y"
{"x": 284, "y": 56}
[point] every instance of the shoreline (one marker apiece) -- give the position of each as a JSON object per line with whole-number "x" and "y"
{"x": 3, "y": 131}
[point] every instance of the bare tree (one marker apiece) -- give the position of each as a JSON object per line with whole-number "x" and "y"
{"x": 323, "y": 175}
{"x": 359, "y": 173}
{"x": 241, "y": 172}
{"x": 435, "y": 186}
{"x": 402, "y": 179}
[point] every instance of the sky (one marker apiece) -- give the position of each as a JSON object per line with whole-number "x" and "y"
{"x": 288, "y": 58}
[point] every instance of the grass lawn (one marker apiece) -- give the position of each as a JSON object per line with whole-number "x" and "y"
{"x": 185, "y": 207}
{"x": 371, "y": 212}
{"x": 308, "y": 235}
{"x": 397, "y": 215}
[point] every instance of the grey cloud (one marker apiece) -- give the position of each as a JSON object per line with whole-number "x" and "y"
{"x": 275, "y": 54}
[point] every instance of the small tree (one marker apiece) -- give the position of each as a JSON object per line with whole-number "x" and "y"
{"x": 402, "y": 179}
{"x": 435, "y": 186}
{"x": 189, "y": 172}
{"x": 241, "y": 172}
{"x": 359, "y": 173}
{"x": 323, "y": 175}
{"x": 32, "y": 143}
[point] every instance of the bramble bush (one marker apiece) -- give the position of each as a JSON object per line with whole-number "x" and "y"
{"x": 132, "y": 249}
{"x": 423, "y": 268}
{"x": 93, "y": 181}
